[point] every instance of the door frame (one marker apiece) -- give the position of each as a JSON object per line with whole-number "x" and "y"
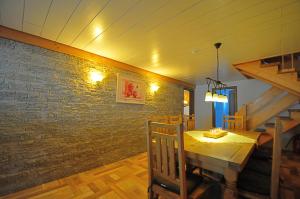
{"x": 213, "y": 109}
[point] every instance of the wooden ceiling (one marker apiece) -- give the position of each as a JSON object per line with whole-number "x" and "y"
{"x": 171, "y": 37}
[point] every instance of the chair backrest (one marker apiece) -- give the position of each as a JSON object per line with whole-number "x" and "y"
{"x": 233, "y": 122}
{"x": 162, "y": 151}
{"x": 189, "y": 122}
{"x": 175, "y": 119}
{"x": 160, "y": 118}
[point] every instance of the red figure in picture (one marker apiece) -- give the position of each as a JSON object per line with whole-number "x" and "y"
{"x": 131, "y": 90}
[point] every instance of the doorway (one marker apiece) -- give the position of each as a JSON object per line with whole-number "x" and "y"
{"x": 220, "y": 109}
{"x": 188, "y": 102}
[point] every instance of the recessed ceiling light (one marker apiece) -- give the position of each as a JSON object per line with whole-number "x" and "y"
{"x": 97, "y": 31}
{"x": 155, "y": 57}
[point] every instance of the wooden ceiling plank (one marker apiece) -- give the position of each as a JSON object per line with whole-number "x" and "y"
{"x": 35, "y": 14}
{"x": 164, "y": 13}
{"x": 143, "y": 9}
{"x": 184, "y": 19}
{"x": 58, "y": 47}
{"x": 9, "y": 18}
{"x": 110, "y": 14}
{"x": 58, "y": 17}
{"x": 243, "y": 15}
{"x": 103, "y": 45}
{"x": 218, "y": 20}
{"x": 83, "y": 15}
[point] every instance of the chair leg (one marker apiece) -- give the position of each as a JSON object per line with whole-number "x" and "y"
{"x": 150, "y": 193}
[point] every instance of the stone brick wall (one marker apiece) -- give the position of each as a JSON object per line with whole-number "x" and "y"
{"x": 53, "y": 123}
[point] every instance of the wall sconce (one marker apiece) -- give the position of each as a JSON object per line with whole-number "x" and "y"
{"x": 154, "y": 87}
{"x": 96, "y": 76}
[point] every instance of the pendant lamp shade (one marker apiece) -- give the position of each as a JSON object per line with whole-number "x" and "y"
{"x": 208, "y": 96}
{"x": 215, "y": 97}
{"x": 223, "y": 98}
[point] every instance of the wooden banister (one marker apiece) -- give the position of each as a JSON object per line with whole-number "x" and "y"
{"x": 276, "y": 160}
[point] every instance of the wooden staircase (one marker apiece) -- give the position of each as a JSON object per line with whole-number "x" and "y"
{"x": 287, "y": 81}
{"x": 283, "y": 93}
{"x": 288, "y": 123}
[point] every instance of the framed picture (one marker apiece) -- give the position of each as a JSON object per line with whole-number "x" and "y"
{"x": 130, "y": 90}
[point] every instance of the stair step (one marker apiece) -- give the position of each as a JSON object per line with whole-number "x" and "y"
{"x": 294, "y": 110}
{"x": 288, "y": 70}
{"x": 260, "y": 130}
{"x": 264, "y": 138}
{"x": 285, "y": 118}
{"x": 270, "y": 64}
{"x": 295, "y": 114}
{"x": 270, "y": 124}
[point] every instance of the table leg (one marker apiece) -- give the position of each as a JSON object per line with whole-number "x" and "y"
{"x": 231, "y": 182}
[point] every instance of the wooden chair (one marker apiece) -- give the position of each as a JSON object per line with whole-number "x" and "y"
{"x": 233, "y": 122}
{"x": 260, "y": 179}
{"x": 167, "y": 179}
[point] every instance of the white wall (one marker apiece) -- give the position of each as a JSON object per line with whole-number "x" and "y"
{"x": 247, "y": 91}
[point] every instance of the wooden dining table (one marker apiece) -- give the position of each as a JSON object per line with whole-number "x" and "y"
{"x": 227, "y": 155}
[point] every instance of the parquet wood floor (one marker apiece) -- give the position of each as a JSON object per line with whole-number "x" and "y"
{"x": 126, "y": 179}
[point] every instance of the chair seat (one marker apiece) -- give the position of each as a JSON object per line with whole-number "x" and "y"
{"x": 192, "y": 182}
{"x": 196, "y": 187}
{"x": 260, "y": 166}
{"x": 262, "y": 154}
{"x": 254, "y": 182}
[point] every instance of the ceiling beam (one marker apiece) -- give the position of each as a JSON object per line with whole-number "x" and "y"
{"x": 19, "y": 36}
